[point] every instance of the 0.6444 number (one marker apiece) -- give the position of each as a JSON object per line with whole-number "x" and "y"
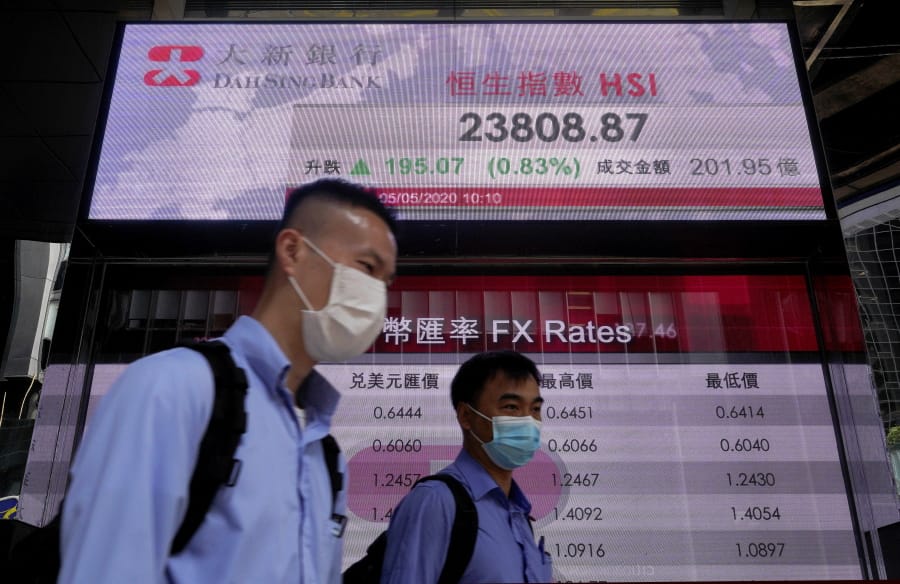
{"x": 399, "y": 413}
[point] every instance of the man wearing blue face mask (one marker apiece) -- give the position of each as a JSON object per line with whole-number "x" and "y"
{"x": 280, "y": 519}
{"x": 498, "y": 406}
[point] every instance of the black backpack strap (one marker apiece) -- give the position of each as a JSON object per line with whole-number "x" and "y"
{"x": 331, "y": 450}
{"x": 216, "y": 464}
{"x": 464, "y": 531}
{"x": 34, "y": 552}
{"x": 367, "y": 569}
{"x": 459, "y": 549}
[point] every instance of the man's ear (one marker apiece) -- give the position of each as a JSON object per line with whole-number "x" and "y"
{"x": 464, "y": 416}
{"x": 289, "y": 249}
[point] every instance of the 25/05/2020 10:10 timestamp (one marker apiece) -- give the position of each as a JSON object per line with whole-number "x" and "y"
{"x": 438, "y": 197}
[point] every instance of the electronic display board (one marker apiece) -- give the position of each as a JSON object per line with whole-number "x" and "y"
{"x": 687, "y": 428}
{"x": 470, "y": 121}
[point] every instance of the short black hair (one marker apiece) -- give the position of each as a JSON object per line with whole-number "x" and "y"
{"x": 341, "y": 192}
{"x": 469, "y": 381}
{"x": 336, "y": 191}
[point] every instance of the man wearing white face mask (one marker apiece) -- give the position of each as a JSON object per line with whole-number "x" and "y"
{"x": 324, "y": 299}
{"x": 498, "y": 406}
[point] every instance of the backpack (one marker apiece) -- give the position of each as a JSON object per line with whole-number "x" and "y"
{"x": 459, "y": 550}
{"x": 36, "y": 557}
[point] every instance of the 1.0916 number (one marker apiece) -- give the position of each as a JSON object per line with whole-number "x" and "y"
{"x": 579, "y": 550}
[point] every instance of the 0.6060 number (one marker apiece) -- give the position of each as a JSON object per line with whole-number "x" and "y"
{"x": 398, "y": 445}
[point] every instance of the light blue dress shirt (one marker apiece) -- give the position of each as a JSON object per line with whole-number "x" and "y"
{"x": 129, "y": 481}
{"x": 419, "y": 533}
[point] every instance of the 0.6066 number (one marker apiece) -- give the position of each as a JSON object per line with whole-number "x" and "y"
{"x": 572, "y": 445}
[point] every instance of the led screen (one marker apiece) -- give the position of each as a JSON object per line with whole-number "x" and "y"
{"x": 507, "y": 121}
{"x": 687, "y": 429}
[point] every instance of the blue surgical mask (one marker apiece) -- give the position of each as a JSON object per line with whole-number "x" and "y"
{"x": 516, "y": 439}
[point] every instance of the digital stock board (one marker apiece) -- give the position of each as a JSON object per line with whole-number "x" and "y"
{"x": 687, "y": 431}
{"x": 483, "y": 121}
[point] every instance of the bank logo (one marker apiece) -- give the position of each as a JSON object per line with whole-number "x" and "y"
{"x": 172, "y": 73}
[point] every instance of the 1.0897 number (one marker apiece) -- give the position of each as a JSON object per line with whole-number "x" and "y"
{"x": 762, "y": 549}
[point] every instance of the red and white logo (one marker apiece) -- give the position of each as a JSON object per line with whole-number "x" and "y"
{"x": 171, "y": 74}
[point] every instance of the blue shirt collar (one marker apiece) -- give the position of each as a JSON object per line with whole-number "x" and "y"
{"x": 318, "y": 397}
{"x": 481, "y": 483}
{"x": 264, "y": 356}
{"x": 252, "y": 340}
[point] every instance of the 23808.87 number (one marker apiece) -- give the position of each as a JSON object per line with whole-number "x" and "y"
{"x": 548, "y": 127}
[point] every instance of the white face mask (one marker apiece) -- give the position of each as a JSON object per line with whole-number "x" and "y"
{"x": 351, "y": 320}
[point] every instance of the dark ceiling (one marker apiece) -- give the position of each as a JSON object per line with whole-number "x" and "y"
{"x": 57, "y": 51}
